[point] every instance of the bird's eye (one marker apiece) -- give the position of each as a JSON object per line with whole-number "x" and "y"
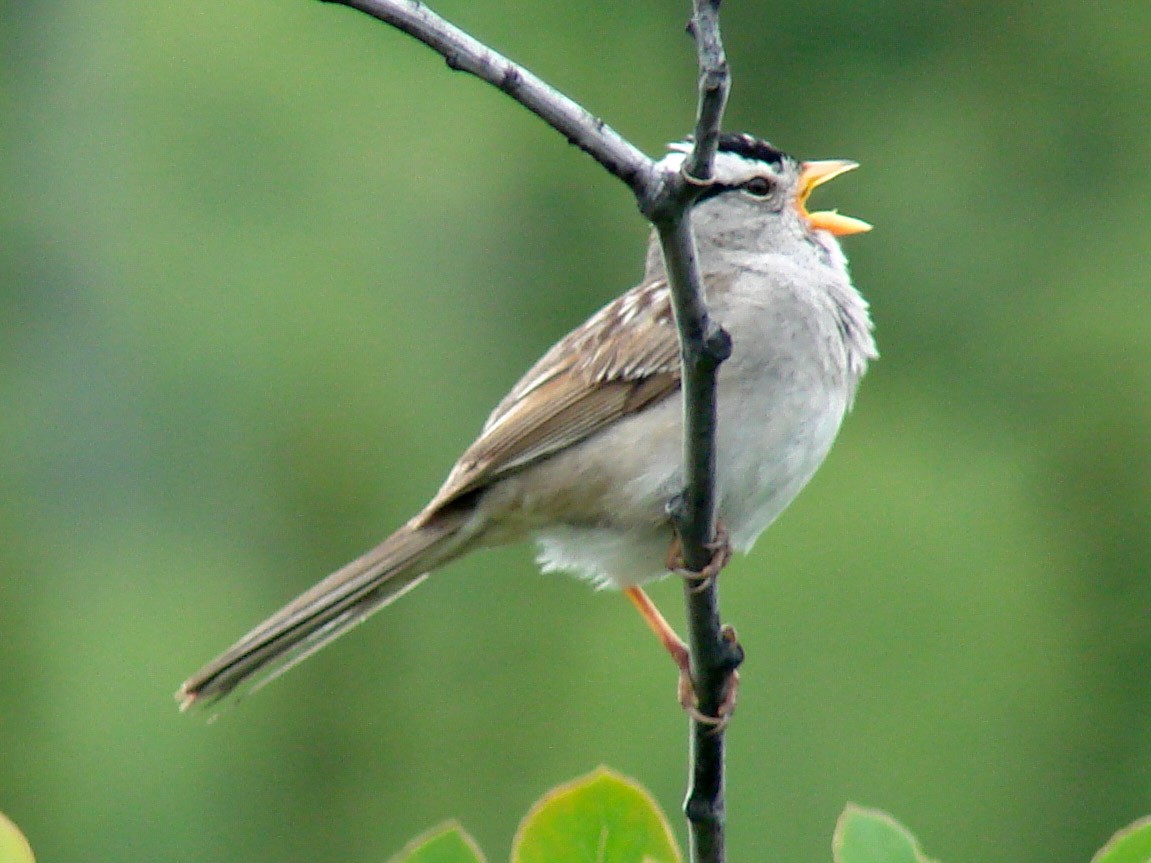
{"x": 758, "y": 186}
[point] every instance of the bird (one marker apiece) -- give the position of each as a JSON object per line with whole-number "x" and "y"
{"x": 585, "y": 452}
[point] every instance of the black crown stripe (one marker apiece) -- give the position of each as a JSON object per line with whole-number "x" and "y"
{"x": 750, "y": 147}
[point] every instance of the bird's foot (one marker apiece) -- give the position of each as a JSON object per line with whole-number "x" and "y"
{"x": 729, "y": 659}
{"x": 720, "y": 548}
{"x": 725, "y": 709}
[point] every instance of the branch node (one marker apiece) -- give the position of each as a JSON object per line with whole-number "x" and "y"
{"x": 700, "y": 810}
{"x": 716, "y": 344}
{"x": 730, "y": 655}
{"x": 510, "y": 80}
{"x": 669, "y": 198}
{"x": 691, "y": 179}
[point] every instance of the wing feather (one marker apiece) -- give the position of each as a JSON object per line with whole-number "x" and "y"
{"x": 625, "y": 357}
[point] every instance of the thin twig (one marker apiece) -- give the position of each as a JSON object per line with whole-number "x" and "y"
{"x": 714, "y": 84}
{"x": 666, "y": 199}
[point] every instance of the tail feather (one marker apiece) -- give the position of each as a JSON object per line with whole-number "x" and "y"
{"x": 325, "y": 612}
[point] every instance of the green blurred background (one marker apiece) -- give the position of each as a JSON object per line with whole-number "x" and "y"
{"x": 265, "y": 267}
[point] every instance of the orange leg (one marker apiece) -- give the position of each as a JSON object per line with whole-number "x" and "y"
{"x": 663, "y": 630}
{"x": 675, "y": 646}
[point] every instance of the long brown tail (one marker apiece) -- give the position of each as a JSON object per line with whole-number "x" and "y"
{"x": 326, "y": 611}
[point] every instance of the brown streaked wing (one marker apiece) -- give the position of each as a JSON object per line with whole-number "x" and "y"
{"x": 625, "y": 357}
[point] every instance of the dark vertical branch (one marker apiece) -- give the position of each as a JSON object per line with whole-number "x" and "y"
{"x": 713, "y": 662}
{"x": 704, "y": 345}
{"x": 714, "y": 654}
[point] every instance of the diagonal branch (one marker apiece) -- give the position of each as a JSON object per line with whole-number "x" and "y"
{"x": 465, "y": 53}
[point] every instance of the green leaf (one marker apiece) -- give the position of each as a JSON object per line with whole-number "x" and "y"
{"x": 871, "y": 836}
{"x": 448, "y": 843}
{"x": 1132, "y": 844}
{"x": 14, "y": 848}
{"x": 599, "y": 818}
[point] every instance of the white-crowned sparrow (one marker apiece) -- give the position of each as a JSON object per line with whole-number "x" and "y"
{"x": 585, "y": 452}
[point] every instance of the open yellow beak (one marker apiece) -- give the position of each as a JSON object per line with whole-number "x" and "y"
{"x": 814, "y": 174}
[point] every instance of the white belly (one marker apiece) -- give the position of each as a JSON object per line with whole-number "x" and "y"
{"x": 768, "y": 449}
